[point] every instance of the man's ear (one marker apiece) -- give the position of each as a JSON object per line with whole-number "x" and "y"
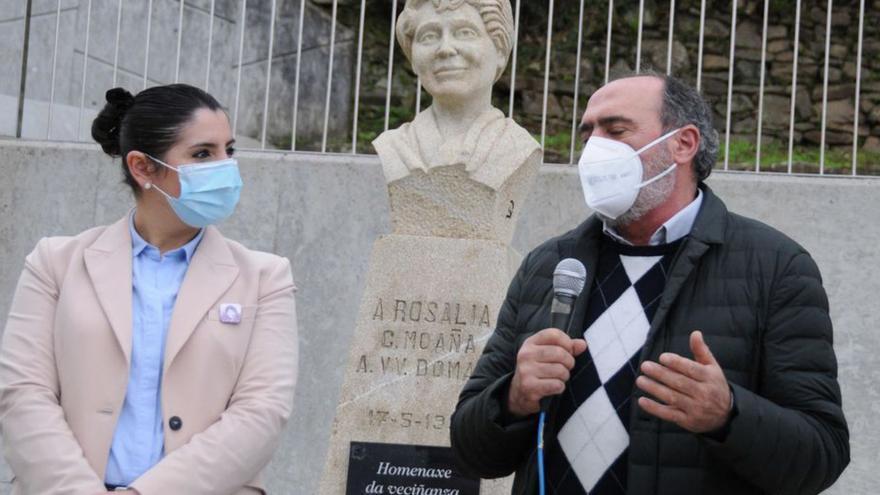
{"x": 685, "y": 144}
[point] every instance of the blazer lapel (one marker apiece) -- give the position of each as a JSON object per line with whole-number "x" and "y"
{"x": 211, "y": 272}
{"x": 108, "y": 263}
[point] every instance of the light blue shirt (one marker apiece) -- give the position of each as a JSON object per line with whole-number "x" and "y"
{"x": 672, "y": 230}
{"x": 138, "y": 442}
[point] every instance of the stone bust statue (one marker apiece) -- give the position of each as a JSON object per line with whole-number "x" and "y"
{"x": 458, "y": 48}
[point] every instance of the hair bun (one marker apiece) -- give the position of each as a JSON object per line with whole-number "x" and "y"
{"x": 120, "y": 97}
{"x": 106, "y": 126}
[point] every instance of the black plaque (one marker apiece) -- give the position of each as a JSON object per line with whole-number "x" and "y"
{"x": 393, "y": 469}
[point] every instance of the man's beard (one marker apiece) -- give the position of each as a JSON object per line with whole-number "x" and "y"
{"x": 650, "y": 196}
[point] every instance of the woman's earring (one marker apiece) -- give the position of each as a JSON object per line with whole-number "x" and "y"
{"x": 148, "y": 186}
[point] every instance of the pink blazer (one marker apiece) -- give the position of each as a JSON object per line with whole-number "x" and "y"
{"x": 65, "y": 359}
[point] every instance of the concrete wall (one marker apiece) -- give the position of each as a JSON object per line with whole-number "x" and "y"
{"x": 324, "y": 211}
{"x": 226, "y": 30}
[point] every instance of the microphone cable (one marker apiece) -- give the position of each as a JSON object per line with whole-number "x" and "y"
{"x": 542, "y": 419}
{"x": 569, "y": 278}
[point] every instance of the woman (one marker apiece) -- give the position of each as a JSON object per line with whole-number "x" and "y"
{"x": 154, "y": 355}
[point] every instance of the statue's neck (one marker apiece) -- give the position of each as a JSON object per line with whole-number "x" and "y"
{"x": 454, "y": 118}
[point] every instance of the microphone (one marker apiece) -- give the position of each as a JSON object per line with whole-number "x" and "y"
{"x": 569, "y": 278}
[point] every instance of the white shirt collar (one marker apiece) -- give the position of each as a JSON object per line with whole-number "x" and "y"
{"x": 674, "y": 229}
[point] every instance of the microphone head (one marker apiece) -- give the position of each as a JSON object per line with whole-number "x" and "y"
{"x": 569, "y": 277}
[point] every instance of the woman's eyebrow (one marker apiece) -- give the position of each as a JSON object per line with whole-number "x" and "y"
{"x": 205, "y": 144}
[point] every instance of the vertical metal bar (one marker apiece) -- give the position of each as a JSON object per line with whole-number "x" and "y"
{"x": 730, "y": 85}
{"x": 210, "y": 45}
{"x": 855, "y": 150}
{"x": 825, "y": 88}
{"x": 700, "y": 48}
{"x": 577, "y": 83}
{"x": 671, "y": 32}
{"x": 418, "y": 95}
{"x": 513, "y": 63}
{"x": 391, "y": 42}
{"x": 761, "y": 87}
{"x": 794, "y": 67}
{"x": 268, "y": 75}
{"x": 147, "y": 44}
{"x": 639, "y": 36}
{"x": 608, "y": 40}
{"x": 329, "y": 77}
{"x": 82, "y": 94}
{"x": 238, "y": 77}
{"x": 116, "y": 46}
{"x": 299, "y": 46}
{"x": 25, "y": 47}
{"x": 54, "y": 66}
{"x": 357, "y": 78}
{"x": 547, "y": 72}
{"x": 179, "y": 41}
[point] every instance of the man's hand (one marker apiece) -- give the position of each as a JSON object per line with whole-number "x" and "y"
{"x": 542, "y": 368}
{"x": 694, "y": 395}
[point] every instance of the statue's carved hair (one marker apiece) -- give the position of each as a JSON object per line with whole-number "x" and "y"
{"x": 496, "y": 14}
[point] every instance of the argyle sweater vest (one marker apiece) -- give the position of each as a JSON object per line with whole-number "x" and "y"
{"x": 588, "y": 442}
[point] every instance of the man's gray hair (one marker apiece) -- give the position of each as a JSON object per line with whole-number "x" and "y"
{"x": 683, "y": 105}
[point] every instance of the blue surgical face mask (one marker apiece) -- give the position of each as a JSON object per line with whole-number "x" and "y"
{"x": 209, "y": 191}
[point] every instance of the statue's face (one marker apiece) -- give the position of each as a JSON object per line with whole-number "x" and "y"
{"x": 452, "y": 53}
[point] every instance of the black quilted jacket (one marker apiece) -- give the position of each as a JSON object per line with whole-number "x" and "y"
{"x": 758, "y": 298}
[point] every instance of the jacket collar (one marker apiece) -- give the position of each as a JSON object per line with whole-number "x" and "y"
{"x": 582, "y": 243}
{"x": 211, "y": 272}
{"x": 711, "y": 223}
{"x": 139, "y": 244}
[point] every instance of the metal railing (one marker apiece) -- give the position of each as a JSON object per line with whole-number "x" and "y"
{"x": 241, "y": 20}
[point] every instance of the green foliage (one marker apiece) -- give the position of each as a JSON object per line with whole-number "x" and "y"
{"x": 557, "y": 147}
{"x": 371, "y": 123}
{"x": 774, "y": 156}
{"x": 805, "y": 159}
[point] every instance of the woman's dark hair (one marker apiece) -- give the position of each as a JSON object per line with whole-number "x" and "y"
{"x": 149, "y": 122}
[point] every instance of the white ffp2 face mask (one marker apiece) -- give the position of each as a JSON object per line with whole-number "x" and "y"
{"x": 611, "y": 174}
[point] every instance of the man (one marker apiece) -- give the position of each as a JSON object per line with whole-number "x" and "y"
{"x": 699, "y": 357}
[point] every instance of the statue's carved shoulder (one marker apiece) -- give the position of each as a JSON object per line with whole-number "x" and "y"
{"x": 513, "y": 148}
{"x": 397, "y": 152}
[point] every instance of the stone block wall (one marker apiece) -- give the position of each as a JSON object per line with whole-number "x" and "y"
{"x": 715, "y": 64}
